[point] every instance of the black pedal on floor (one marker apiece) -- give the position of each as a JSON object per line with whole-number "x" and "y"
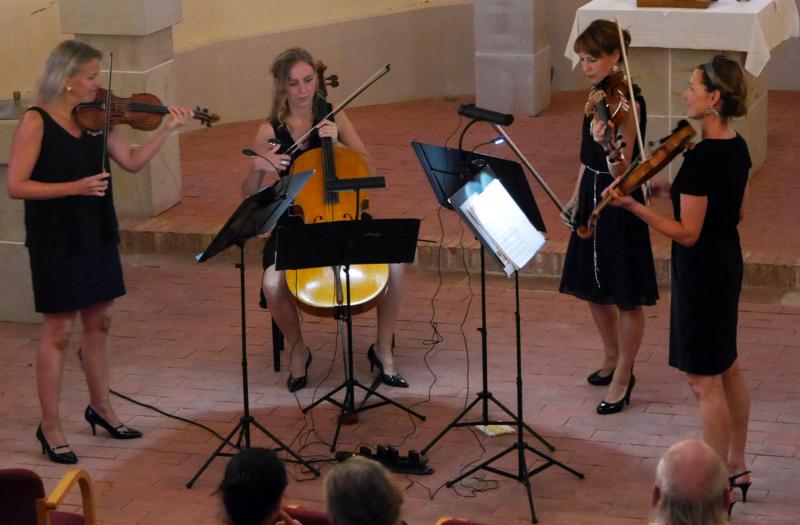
{"x": 389, "y": 456}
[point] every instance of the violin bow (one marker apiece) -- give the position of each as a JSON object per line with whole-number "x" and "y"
{"x": 639, "y": 138}
{"x": 106, "y": 126}
{"x": 371, "y": 80}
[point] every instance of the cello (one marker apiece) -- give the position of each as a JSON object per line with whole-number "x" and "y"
{"x": 319, "y": 291}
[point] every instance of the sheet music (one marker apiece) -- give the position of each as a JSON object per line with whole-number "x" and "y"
{"x": 505, "y": 228}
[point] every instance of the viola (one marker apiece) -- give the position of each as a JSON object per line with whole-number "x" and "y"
{"x": 611, "y": 105}
{"x": 142, "y": 111}
{"x": 638, "y": 174}
{"x": 318, "y": 291}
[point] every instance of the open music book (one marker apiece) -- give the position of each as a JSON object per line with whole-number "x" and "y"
{"x": 502, "y": 226}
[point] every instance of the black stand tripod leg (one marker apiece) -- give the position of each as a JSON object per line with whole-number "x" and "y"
{"x": 217, "y": 452}
{"x": 284, "y": 447}
{"x": 450, "y": 425}
{"x": 246, "y": 420}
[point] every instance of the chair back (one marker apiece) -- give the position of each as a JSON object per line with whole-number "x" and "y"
{"x": 19, "y": 489}
{"x": 308, "y": 517}
{"x": 447, "y": 520}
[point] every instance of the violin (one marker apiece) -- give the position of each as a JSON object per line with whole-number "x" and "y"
{"x": 318, "y": 291}
{"x": 611, "y": 105}
{"x": 142, "y": 111}
{"x": 638, "y": 174}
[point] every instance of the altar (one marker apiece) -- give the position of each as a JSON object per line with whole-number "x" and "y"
{"x": 668, "y": 43}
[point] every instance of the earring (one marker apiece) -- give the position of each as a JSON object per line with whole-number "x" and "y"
{"x": 712, "y": 111}
{"x": 615, "y": 68}
{"x": 68, "y": 88}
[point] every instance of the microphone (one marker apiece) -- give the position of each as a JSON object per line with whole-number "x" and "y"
{"x": 475, "y": 113}
{"x": 251, "y": 153}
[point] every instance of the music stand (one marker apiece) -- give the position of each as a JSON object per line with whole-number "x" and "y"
{"x": 340, "y": 244}
{"x": 478, "y": 183}
{"x": 447, "y": 172}
{"x": 257, "y": 214}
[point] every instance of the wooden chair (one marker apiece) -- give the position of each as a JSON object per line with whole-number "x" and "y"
{"x": 448, "y": 520}
{"x": 23, "y": 500}
{"x": 306, "y": 516}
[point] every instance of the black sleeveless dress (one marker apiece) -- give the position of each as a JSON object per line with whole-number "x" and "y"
{"x": 72, "y": 241}
{"x": 615, "y": 266}
{"x": 707, "y": 278}
{"x": 283, "y": 134}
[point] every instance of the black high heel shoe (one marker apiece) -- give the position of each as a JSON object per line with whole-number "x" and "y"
{"x": 67, "y": 458}
{"x": 296, "y": 383}
{"x": 395, "y": 380}
{"x": 612, "y": 408}
{"x": 743, "y": 486}
{"x": 597, "y": 380}
{"x": 119, "y": 432}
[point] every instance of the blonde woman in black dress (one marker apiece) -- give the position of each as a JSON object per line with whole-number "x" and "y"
{"x": 72, "y": 233}
{"x": 707, "y": 267}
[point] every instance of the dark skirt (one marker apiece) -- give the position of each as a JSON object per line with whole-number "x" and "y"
{"x": 76, "y": 282}
{"x": 615, "y": 266}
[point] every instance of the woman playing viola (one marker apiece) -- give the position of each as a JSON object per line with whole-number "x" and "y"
{"x": 297, "y": 104}
{"x": 613, "y": 271}
{"x": 707, "y": 267}
{"x": 72, "y": 233}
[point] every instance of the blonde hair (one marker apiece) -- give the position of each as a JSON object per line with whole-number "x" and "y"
{"x": 63, "y": 63}
{"x": 280, "y": 69}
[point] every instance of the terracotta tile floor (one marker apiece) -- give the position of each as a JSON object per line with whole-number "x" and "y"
{"x": 176, "y": 344}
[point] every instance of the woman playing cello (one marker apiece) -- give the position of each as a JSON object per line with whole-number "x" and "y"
{"x": 613, "y": 270}
{"x": 296, "y": 104}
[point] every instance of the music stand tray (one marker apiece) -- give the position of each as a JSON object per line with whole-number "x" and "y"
{"x": 341, "y": 244}
{"x": 448, "y": 171}
{"x": 256, "y": 215}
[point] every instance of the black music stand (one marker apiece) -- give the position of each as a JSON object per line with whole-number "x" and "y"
{"x": 519, "y": 190}
{"x": 257, "y": 214}
{"x": 448, "y": 171}
{"x": 339, "y": 244}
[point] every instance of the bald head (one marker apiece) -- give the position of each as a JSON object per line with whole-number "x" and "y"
{"x": 691, "y": 481}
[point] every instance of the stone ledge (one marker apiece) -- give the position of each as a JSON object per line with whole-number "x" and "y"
{"x": 782, "y": 273}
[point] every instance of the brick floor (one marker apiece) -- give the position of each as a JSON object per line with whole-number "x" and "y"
{"x": 176, "y": 344}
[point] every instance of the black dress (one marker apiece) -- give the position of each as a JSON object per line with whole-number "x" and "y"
{"x": 283, "y": 134}
{"x": 707, "y": 278}
{"x": 72, "y": 241}
{"x": 615, "y": 266}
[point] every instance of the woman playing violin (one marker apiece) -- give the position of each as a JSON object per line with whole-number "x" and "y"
{"x": 297, "y": 104}
{"x": 707, "y": 268}
{"x": 72, "y": 233}
{"x": 613, "y": 271}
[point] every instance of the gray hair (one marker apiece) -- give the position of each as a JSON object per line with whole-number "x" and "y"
{"x": 693, "y": 483}
{"x": 63, "y": 63}
{"x": 361, "y": 492}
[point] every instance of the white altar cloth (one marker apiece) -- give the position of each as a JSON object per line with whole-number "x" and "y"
{"x": 754, "y": 27}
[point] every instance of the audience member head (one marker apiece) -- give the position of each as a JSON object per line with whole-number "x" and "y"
{"x": 253, "y": 486}
{"x": 691, "y": 486}
{"x": 360, "y": 491}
